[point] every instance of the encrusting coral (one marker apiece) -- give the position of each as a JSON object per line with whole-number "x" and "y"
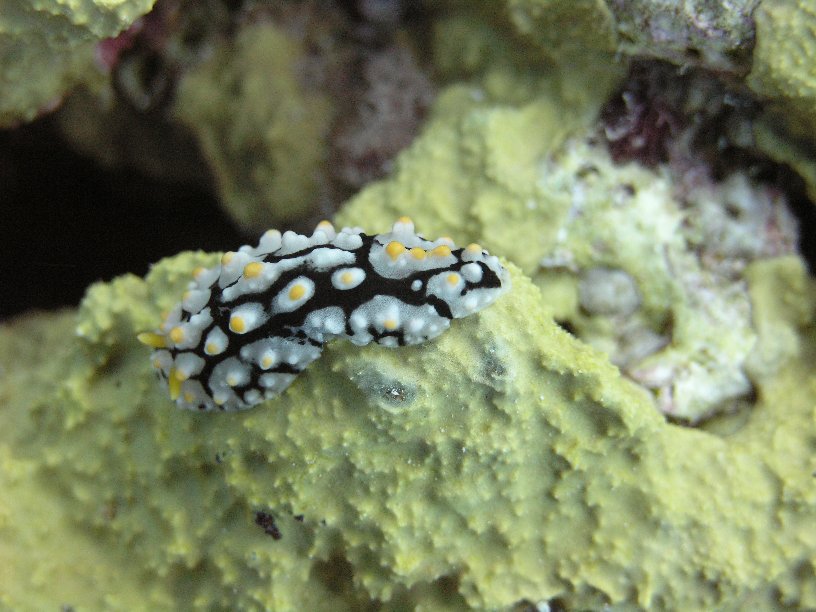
{"x": 783, "y": 76}
{"x": 506, "y": 464}
{"x": 463, "y": 464}
{"x": 47, "y": 47}
{"x": 246, "y": 103}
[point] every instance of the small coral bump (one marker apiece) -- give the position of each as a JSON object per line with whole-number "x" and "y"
{"x": 325, "y": 225}
{"x": 152, "y": 339}
{"x": 473, "y": 248}
{"x": 441, "y": 251}
{"x": 453, "y": 279}
{"x": 198, "y": 271}
{"x": 395, "y": 249}
{"x": 253, "y": 269}
{"x": 390, "y": 324}
{"x": 227, "y": 257}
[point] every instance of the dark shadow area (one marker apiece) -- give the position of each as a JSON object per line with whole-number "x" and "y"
{"x": 68, "y": 222}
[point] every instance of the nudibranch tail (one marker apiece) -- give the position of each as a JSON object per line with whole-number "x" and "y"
{"x": 246, "y": 328}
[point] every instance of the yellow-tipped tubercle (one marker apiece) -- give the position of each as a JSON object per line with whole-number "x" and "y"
{"x": 394, "y": 249}
{"x": 176, "y": 334}
{"x": 253, "y": 269}
{"x": 418, "y": 253}
{"x": 152, "y": 339}
{"x": 297, "y": 292}
{"x": 175, "y": 384}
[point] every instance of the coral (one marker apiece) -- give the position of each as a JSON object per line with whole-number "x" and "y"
{"x": 46, "y": 561}
{"x": 339, "y": 104}
{"x": 263, "y": 134}
{"x": 784, "y": 62}
{"x": 784, "y": 77}
{"x": 512, "y": 55}
{"x": 798, "y": 153}
{"x": 46, "y": 48}
{"x": 517, "y": 460}
{"x": 562, "y": 210}
{"x": 504, "y": 462}
{"x": 716, "y": 35}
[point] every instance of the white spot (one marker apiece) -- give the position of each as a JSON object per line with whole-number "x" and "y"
{"x": 247, "y": 317}
{"x": 195, "y": 299}
{"x": 329, "y": 321}
{"x": 189, "y": 364}
{"x": 347, "y": 278}
{"x": 270, "y": 242}
{"x": 292, "y": 242}
{"x": 252, "y": 397}
{"x": 294, "y": 295}
{"x": 472, "y": 272}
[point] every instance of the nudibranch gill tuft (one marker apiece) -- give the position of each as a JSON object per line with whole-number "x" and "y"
{"x": 246, "y": 328}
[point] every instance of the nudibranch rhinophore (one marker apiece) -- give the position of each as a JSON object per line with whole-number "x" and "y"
{"x": 246, "y": 328}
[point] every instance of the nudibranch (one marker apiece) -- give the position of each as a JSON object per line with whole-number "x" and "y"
{"x": 246, "y": 328}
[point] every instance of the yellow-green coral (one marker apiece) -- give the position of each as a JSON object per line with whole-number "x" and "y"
{"x": 784, "y": 78}
{"x": 261, "y": 129}
{"x": 46, "y": 48}
{"x": 561, "y": 208}
{"x": 504, "y": 462}
{"x": 784, "y": 61}
{"x": 48, "y": 561}
{"x": 529, "y": 47}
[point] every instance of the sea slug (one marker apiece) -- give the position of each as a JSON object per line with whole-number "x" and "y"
{"x": 246, "y": 328}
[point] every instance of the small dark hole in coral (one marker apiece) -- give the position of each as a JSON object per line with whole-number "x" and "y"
{"x": 266, "y": 521}
{"x": 667, "y": 329}
{"x": 586, "y": 170}
{"x": 693, "y": 54}
{"x": 336, "y": 574}
{"x": 143, "y": 81}
{"x": 558, "y": 605}
{"x": 567, "y": 327}
{"x": 793, "y": 186}
{"x": 732, "y": 210}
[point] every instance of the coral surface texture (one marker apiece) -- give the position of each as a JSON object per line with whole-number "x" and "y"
{"x": 628, "y": 424}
